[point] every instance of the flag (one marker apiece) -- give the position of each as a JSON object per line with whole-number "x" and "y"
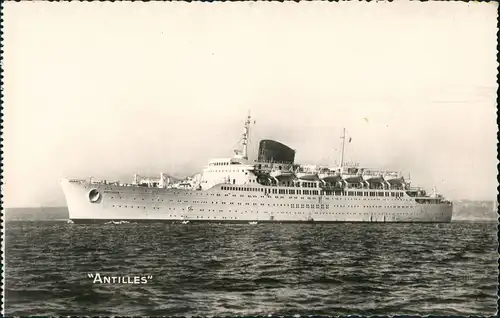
{"x": 350, "y": 139}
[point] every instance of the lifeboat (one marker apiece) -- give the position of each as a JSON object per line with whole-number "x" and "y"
{"x": 351, "y": 175}
{"x": 373, "y": 176}
{"x": 282, "y": 174}
{"x": 393, "y": 178}
{"x": 282, "y": 171}
{"x": 328, "y": 175}
{"x": 307, "y": 173}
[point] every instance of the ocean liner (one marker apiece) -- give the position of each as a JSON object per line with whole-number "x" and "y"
{"x": 272, "y": 188}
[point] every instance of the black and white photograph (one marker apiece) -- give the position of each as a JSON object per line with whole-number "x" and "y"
{"x": 249, "y": 158}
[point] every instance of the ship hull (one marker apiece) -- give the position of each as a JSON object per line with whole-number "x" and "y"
{"x": 238, "y": 204}
{"x": 169, "y": 221}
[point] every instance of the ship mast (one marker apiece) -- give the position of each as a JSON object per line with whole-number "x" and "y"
{"x": 342, "y": 152}
{"x": 243, "y": 154}
{"x": 246, "y": 132}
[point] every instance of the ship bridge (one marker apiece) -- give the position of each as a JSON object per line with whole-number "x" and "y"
{"x": 224, "y": 162}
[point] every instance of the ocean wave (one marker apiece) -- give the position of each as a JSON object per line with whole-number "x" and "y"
{"x": 204, "y": 269}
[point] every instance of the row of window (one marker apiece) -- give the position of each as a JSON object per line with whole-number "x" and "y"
{"x": 132, "y": 206}
{"x": 309, "y": 184}
{"x": 243, "y": 189}
{"x": 299, "y": 192}
{"x": 276, "y": 197}
{"x": 293, "y": 206}
{"x": 219, "y": 164}
{"x": 317, "y": 192}
{"x": 434, "y": 201}
{"x": 288, "y": 212}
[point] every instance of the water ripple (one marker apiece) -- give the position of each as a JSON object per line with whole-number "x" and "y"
{"x": 366, "y": 269}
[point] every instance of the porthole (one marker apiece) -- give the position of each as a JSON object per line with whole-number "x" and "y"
{"x": 94, "y": 196}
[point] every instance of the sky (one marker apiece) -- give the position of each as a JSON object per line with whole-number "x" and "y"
{"x": 112, "y": 89}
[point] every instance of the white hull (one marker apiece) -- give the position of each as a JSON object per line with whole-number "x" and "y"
{"x": 134, "y": 204}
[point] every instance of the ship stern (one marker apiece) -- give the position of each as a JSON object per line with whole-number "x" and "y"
{"x": 447, "y": 212}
